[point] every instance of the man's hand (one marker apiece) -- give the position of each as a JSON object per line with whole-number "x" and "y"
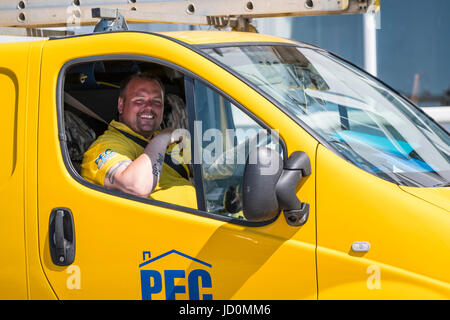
{"x": 179, "y": 136}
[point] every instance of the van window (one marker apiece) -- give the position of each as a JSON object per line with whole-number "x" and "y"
{"x": 227, "y": 133}
{"x": 363, "y": 120}
{"x": 227, "y": 136}
{"x": 90, "y": 95}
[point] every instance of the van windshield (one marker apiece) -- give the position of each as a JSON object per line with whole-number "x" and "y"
{"x": 361, "y": 119}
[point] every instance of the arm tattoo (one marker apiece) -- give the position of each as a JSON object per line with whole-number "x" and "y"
{"x": 157, "y": 165}
{"x": 160, "y": 159}
{"x": 156, "y": 170}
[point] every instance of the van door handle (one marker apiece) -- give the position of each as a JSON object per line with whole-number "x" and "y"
{"x": 61, "y": 237}
{"x": 361, "y": 246}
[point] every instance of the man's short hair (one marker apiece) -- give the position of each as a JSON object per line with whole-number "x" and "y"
{"x": 139, "y": 75}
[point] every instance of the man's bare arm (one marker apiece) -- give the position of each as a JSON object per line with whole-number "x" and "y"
{"x": 141, "y": 176}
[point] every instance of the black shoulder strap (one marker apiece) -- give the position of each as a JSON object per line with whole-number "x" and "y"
{"x": 167, "y": 158}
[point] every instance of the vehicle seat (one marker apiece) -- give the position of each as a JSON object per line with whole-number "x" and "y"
{"x": 175, "y": 115}
{"x": 79, "y": 137}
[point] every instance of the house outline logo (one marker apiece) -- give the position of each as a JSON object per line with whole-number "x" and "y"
{"x": 152, "y": 281}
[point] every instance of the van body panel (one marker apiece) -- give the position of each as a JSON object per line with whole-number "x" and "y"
{"x": 13, "y": 88}
{"x": 408, "y": 237}
{"x": 38, "y": 285}
{"x": 437, "y": 196}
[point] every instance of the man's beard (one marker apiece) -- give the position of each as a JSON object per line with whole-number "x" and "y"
{"x": 147, "y": 128}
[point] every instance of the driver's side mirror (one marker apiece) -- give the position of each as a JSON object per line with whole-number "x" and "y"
{"x": 270, "y": 186}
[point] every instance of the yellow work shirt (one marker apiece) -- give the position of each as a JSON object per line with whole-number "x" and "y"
{"x": 113, "y": 147}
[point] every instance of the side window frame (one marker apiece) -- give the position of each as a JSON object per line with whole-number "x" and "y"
{"x": 190, "y": 105}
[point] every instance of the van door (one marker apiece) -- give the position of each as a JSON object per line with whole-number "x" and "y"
{"x": 125, "y": 247}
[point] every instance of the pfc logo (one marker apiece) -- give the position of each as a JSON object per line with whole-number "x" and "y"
{"x": 103, "y": 157}
{"x": 166, "y": 281}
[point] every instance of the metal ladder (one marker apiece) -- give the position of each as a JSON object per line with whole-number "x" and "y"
{"x": 15, "y": 16}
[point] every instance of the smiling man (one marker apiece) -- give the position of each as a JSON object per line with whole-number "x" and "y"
{"x": 130, "y": 155}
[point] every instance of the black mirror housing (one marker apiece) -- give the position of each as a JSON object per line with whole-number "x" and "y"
{"x": 297, "y": 166}
{"x": 270, "y": 186}
{"x": 259, "y": 199}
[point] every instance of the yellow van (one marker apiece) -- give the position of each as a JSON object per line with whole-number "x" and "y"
{"x": 347, "y": 197}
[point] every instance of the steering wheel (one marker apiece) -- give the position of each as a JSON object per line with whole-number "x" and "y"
{"x": 226, "y": 165}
